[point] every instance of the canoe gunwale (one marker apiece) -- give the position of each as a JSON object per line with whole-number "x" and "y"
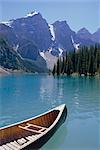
{"x": 17, "y": 123}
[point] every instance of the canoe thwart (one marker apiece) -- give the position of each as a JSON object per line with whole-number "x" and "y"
{"x": 37, "y": 126}
{"x": 28, "y": 129}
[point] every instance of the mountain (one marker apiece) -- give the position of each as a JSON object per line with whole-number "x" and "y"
{"x": 10, "y": 59}
{"x": 27, "y": 49}
{"x": 35, "y": 28}
{"x": 96, "y": 36}
{"x": 84, "y": 34}
{"x": 63, "y": 34}
{"x": 8, "y": 33}
{"x": 31, "y": 36}
{"x": 85, "y": 37}
{"x": 32, "y": 28}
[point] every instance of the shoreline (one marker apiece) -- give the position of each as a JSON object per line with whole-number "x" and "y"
{"x": 77, "y": 75}
{"x": 4, "y": 71}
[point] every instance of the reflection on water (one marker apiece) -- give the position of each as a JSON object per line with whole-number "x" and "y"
{"x": 49, "y": 90}
{"x": 60, "y": 137}
{"x": 24, "y": 96}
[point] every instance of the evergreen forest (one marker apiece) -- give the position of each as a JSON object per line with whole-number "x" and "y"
{"x": 85, "y": 61}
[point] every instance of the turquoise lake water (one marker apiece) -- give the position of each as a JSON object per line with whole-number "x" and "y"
{"x": 24, "y": 96}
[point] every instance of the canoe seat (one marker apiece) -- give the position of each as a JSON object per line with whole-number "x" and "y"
{"x": 33, "y": 128}
{"x": 41, "y": 128}
{"x": 28, "y": 129}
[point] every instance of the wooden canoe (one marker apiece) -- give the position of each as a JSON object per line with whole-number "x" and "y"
{"x": 32, "y": 133}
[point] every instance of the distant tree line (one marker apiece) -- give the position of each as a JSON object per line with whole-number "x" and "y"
{"x": 85, "y": 61}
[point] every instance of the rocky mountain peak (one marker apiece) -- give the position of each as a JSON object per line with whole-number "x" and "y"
{"x": 84, "y": 33}
{"x": 83, "y": 30}
{"x": 33, "y": 13}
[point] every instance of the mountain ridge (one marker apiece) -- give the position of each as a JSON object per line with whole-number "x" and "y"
{"x": 31, "y": 36}
{"x": 36, "y": 28}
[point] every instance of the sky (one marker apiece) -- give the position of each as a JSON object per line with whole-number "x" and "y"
{"x": 77, "y": 13}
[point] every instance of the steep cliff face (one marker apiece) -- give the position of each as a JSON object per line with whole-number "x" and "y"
{"x": 10, "y": 59}
{"x": 27, "y": 49}
{"x": 8, "y": 33}
{"x": 31, "y": 33}
{"x": 63, "y": 35}
{"x": 34, "y": 28}
{"x": 85, "y": 37}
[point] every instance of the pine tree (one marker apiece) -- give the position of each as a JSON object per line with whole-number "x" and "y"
{"x": 91, "y": 69}
{"x": 69, "y": 65}
{"x": 74, "y": 60}
{"x": 54, "y": 70}
{"x": 58, "y": 67}
{"x": 97, "y": 59}
{"x": 65, "y": 63}
{"x": 62, "y": 65}
{"x": 79, "y": 62}
{"x": 85, "y": 61}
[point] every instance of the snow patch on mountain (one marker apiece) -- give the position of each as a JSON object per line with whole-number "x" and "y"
{"x": 76, "y": 45}
{"x": 7, "y": 23}
{"x": 43, "y": 55}
{"x": 50, "y": 49}
{"x": 60, "y": 51}
{"x": 16, "y": 47}
{"x": 52, "y": 32}
{"x": 32, "y": 14}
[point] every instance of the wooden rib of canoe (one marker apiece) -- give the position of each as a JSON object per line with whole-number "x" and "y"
{"x": 32, "y": 133}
